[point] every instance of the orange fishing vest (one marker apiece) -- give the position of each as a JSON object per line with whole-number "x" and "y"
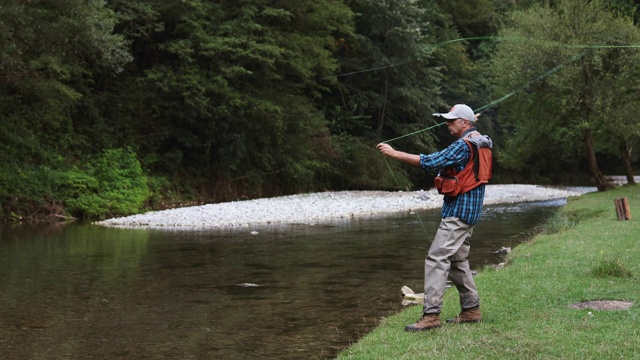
{"x": 478, "y": 171}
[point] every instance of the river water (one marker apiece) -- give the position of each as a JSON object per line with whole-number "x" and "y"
{"x": 83, "y": 291}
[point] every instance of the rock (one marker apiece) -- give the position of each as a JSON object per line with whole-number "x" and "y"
{"x": 503, "y": 250}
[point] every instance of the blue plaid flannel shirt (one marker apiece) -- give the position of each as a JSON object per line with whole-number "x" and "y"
{"x": 467, "y": 206}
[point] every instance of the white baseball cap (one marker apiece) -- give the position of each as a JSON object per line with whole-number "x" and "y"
{"x": 458, "y": 111}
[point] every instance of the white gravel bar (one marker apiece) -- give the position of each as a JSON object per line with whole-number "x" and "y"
{"x": 323, "y": 207}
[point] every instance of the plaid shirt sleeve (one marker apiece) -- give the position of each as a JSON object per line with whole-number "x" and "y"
{"x": 467, "y": 206}
{"x": 456, "y": 155}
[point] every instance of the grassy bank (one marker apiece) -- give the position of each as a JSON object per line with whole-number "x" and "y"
{"x": 584, "y": 254}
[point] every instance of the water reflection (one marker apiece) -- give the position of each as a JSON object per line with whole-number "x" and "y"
{"x": 84, "y": 291}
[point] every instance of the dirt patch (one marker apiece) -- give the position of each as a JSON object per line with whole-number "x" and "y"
{"x": 603, "y": 305}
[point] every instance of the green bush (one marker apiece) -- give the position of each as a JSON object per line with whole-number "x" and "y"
{"x": 26, "y": 192}
{"x": 112, "y": 184}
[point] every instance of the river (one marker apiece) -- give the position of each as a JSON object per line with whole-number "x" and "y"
{"x": 81, "y": 291}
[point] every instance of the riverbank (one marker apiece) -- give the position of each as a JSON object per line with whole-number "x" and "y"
{"x": 564, "y": 294}
{"x": 321, "y": 207}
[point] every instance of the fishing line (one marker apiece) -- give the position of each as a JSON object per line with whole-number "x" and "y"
{"x": 503, "y": 98}
{"x": 423, "y": 228}
{"x": 446, "y": 42}
{"x": 497, "y": 101}
{"x": 510, "y": 94}
{"x": 535, "y": 79}
{"x": 415, "y": 132}
{"x": 494, "y": 37}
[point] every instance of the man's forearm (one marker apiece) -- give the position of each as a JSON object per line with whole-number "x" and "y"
{"x": 412, "y": 159}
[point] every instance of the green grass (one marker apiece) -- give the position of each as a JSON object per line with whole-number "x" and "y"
{"x": 583, "y": 254}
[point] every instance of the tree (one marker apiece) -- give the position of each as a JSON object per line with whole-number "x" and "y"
{"x": 391, "y": 81}
{"x": 229, "y": 90}
{"x": 49, "y": 54}
{"x": 622, "y": 110}
{"x": 48, "y": 50}
{"x": 568, "y": 109}
{"x": 394, "y": 39}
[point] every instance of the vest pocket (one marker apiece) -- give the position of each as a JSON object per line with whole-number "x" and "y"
{"x": 447, "y": 185}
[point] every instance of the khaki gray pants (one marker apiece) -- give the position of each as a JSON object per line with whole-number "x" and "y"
{"x": 447, "y": 258}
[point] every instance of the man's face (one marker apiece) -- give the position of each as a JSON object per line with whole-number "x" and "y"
{"x": 456, "y": 126}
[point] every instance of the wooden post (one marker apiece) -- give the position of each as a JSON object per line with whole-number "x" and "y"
{"x": 622, "y": 208}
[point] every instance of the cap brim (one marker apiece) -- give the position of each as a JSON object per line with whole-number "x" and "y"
{"x": 448, "y": 116}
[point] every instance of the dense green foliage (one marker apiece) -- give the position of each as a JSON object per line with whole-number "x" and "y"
{"x": 112, "y": 184}
{"x": 221, "y": 100}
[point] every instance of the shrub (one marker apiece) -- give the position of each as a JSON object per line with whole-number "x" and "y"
{"x": 27, "y": 191}
{"x": 112, "y": 184}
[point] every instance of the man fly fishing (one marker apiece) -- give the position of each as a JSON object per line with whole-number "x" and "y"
{"x": 464, "y": 169}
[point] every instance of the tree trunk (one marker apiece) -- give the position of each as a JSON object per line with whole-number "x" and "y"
{"x": 625, "y": 152}
{"x": 602, "y": 183}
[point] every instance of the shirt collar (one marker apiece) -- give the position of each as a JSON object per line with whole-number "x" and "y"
{"x": 468, "y": 132}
